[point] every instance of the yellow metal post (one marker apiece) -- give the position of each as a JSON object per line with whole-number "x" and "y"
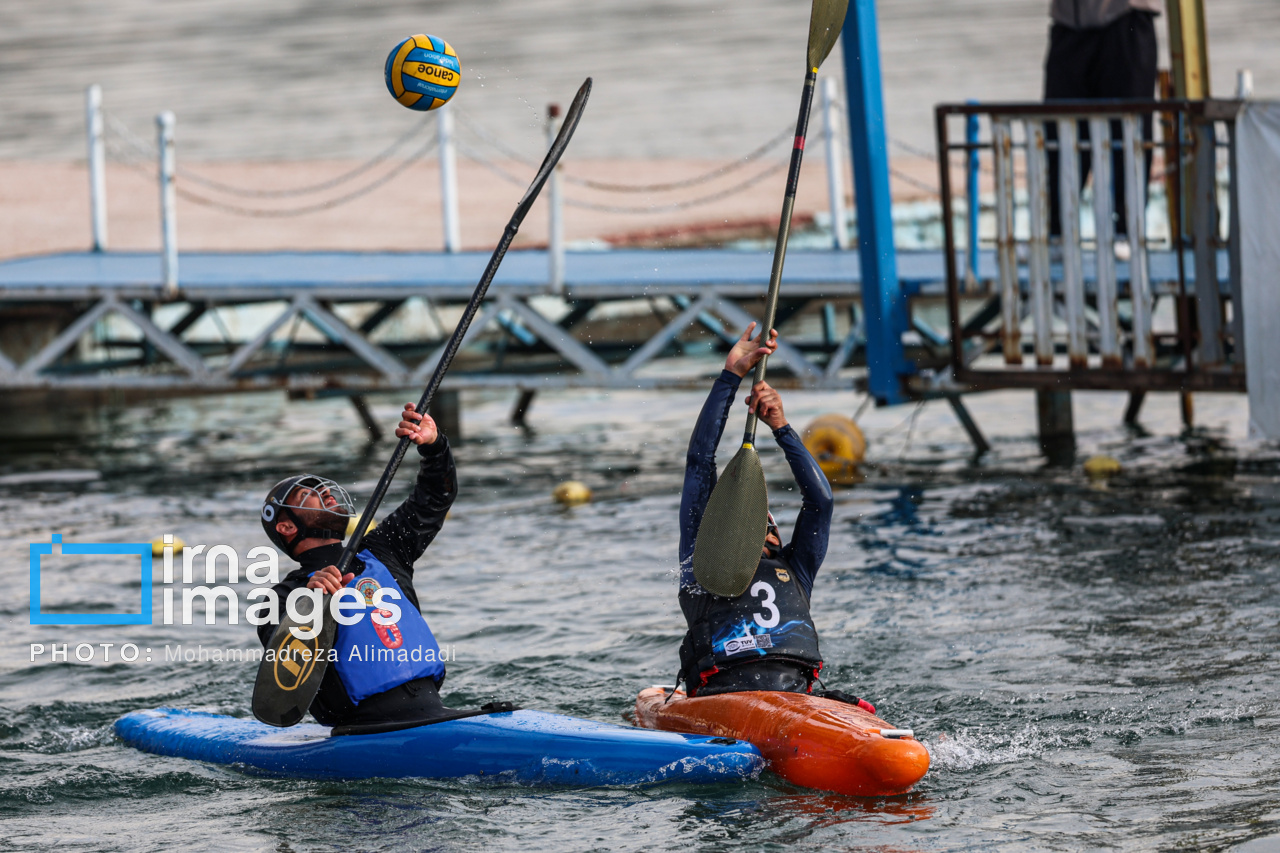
{"x": 1188, "y": 49}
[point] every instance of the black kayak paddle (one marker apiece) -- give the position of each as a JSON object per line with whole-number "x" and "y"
{"x": 293, "y": 666}
{"x": 735, "y": 522}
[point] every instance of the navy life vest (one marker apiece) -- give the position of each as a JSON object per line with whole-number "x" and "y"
{"x": 372, "y": 657}
{"x": 768, "y": 622}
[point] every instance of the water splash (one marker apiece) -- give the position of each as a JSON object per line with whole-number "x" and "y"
{"x": 968, "y": 749}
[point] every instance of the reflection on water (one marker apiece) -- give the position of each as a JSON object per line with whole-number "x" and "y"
{"x": 1090, "y": 665}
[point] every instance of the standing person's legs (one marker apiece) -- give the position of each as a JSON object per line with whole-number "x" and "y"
{"x": 1067, "y": 77}
{"x": 1126, "y": 69}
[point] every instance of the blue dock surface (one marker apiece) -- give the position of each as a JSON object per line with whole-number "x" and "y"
{"x": 246, "y": 275}
{"x": 251, "y": 276}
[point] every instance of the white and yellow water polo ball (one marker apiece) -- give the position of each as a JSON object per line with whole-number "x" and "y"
{"x": 423, "y": 72}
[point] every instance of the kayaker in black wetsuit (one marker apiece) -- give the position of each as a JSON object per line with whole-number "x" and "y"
{"x": 306, "y": 517}
{"x": 765, "y": 638}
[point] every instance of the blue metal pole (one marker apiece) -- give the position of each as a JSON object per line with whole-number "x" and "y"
{"x": 971, "y": 188}
{"x": 882, "y": 297}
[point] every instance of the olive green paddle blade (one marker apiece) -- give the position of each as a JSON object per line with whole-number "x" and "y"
{"x": 734, "y": 524}
{"x": 825, "y": 22}
{"x": 291, "y": 670}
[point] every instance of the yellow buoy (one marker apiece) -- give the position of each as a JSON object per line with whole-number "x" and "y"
{"x": 838, "y": 445}
{"x": 571, "y": 493}
{"x": 158, "y": 545}
{"x": 1100, "y": 466}
{"x": 351, "y": 525}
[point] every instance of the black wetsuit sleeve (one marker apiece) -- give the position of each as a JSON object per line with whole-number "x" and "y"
{"x": 808, "y": 546}
{"x": 400, "y": 539}
{"x": 700, "y": 466}
{"x": 296, "y": 579}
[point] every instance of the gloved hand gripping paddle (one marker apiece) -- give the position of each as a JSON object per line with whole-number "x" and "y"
{"x": 296, "y": 659}
{"x": 734, "y": 524}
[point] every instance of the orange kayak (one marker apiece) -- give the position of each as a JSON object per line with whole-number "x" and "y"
{"x": 810, "y": 741}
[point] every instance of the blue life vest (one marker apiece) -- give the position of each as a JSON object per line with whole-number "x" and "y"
{"x": 372, "y": 657}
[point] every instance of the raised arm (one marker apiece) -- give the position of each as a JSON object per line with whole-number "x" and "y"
{"x": 700, "y": 462}
{"x": 808, "y": 546}
{"x": 402, "y": 537}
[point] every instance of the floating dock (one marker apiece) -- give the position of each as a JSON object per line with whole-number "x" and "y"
{"x": 529, "y": 335}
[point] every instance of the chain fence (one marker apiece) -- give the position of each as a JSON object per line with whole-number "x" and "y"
{"x": 329, "y": 204}
{"x": 247, "y": 192}
{"x": 498, "y": 145}
{"x": 604, "y": 208}
{"x": 129, "y": 149}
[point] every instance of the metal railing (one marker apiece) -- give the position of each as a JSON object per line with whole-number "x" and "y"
{"x": 1093, "y": 316}
{"x": 110, "y": 138}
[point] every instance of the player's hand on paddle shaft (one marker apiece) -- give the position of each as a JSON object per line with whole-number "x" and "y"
{"x": 420, "y": 429}
{"x": 767, "y": 405}
{"x": 746, "y": 353}
{"x": 329, "y": 580}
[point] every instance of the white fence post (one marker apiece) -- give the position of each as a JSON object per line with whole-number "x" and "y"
{"x": 168, "y": 203}
{"x": 835, "y": 174}
{"x": 1006, "y": 240}
{"x": 1072, "y": 263}
{"x": 1104, "y": 230}
{"x": 555, "y": 239}
{"x": 1135, "y": 202}
{"x": 1244, "y": 84}
{"x": 449, "y": 181}
{"x": 97, "y": 166}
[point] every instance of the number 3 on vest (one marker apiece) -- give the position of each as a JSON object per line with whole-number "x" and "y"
{"x": 762, "y": 588}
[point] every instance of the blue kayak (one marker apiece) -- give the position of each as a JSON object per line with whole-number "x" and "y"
{"x": 527, "y": 747}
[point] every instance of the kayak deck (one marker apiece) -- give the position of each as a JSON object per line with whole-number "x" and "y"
{"x": 526, "y": 747}
{"x": 811, "y": 741}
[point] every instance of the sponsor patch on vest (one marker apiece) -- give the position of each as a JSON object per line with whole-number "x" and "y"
{"x": 747, "y": 644}
{"x": 389, "y": 634}
{"x": 367, "y": 587}
{"x": 783, "y": 575}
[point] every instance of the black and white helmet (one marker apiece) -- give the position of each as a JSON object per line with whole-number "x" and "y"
{"x": 772, "y": 527}
{"x": 284, "y": 502}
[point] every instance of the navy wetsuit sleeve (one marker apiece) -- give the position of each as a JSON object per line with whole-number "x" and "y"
{"x": 700, "y": 466}
{"x": 402, "y": 537}
{"x": 808, "y": 546}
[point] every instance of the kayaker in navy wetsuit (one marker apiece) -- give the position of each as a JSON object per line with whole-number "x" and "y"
{"x": 765, "y": 638}
{"x": 306, "y": 517}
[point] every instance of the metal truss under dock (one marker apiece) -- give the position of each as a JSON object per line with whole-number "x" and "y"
{"x": 318, "y": 321}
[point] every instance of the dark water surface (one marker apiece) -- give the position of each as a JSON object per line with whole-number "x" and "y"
{"x": 1091, "y": 667}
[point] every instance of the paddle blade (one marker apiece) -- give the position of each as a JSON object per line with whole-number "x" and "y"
{"x": 291, "y": 671}
{"x": 825, "y": 22}
{"x": 727, "y": 551}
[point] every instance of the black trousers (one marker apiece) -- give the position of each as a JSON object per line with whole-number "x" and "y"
{"x": 1117, "y": 61}
{"x": 414, "y": 700}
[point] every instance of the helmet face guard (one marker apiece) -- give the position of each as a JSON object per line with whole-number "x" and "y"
{"x": 326, "y": 517}
{"x": 772, "y": 527}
